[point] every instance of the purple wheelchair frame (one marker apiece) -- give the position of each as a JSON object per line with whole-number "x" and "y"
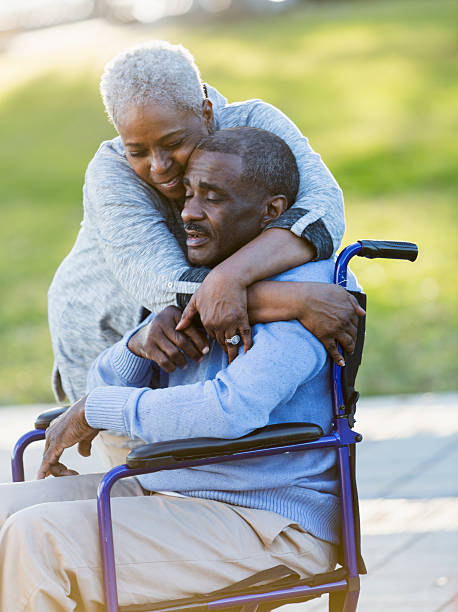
{"x": 345, "y": 592}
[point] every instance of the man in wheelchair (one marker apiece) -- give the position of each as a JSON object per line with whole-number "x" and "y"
{"x": 210, "y": 526}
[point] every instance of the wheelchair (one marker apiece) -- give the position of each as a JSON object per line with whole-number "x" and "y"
{"x": 277, "y": 586}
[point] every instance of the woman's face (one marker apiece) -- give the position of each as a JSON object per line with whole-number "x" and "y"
{"x": 159, "y": 140}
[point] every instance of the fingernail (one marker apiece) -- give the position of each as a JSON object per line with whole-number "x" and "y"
{"x": 205, "y": 350}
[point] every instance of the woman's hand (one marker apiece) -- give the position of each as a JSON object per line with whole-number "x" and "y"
{"x": 221, "y": 302}
{"x": 160, "y": 342}
{"x": 330, "y": 313}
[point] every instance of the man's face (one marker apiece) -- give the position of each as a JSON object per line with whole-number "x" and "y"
{"x": 220, "y": 214}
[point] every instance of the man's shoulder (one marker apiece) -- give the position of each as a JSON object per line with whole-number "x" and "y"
{"x": 316, "y": 271}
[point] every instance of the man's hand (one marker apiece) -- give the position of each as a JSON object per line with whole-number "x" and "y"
{"x": 221, "y": 302}
{"x": 331, "y": 314}
{"x": 160, "y": 342}
{"x": 67, "y": 430}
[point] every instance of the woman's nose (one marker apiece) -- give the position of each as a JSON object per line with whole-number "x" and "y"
{"x": 160, "y": 162}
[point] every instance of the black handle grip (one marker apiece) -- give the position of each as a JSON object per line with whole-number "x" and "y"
{"x": 388, "y": 249}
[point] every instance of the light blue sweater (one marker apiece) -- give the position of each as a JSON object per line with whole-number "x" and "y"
{"x": 283, "y": 378}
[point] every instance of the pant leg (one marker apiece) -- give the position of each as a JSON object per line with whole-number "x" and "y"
{"x": 18, "y": 495}
{"x": 165, "y": 548}
{"x": 112, "y": 447}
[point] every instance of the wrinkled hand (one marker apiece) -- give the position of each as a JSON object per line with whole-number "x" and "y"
{"x": 331, "y": 314}
{"x": 221, "y": 302}
{"x": 160, "y": 342}
{"x": 67, "y": 430}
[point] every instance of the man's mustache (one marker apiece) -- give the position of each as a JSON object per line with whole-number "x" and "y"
{"x": 195, "y": 227}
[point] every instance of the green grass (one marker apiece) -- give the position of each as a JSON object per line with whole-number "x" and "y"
{"x": 373, "y": 85}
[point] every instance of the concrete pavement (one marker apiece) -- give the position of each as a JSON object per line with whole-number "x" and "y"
{"x": 408, "y": 484}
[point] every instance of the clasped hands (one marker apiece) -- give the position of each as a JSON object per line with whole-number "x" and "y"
{"x": 327, "y": 311}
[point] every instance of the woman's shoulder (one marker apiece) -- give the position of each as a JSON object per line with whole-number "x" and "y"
{"x": 110, "y": 177}
{"x": 109, "y": 153}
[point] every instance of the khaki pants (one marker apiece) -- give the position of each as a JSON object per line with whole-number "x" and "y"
{"x": 112, "y": 448}
{"x": 165, "y": 547}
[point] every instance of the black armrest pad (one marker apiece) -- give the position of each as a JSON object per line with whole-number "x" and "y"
{"x": 43, "y": 421}
{"x": 283, "y": 434}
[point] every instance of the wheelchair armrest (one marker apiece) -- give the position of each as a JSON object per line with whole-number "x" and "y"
{"x": 43, "y": 420}
{"x": 283, "y": 434}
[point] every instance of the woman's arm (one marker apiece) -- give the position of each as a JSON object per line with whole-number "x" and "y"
{"x": 318, "y": 213}
{"x": 221, "y": 300}
{"x": 328, "y": 311}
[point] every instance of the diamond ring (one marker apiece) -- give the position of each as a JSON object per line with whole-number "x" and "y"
{"x": 234, "y": 340}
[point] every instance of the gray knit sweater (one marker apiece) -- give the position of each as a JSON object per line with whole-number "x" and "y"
{"x": 130, "y": 251}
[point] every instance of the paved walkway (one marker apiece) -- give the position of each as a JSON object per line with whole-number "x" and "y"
{"x": 408, "y": 483}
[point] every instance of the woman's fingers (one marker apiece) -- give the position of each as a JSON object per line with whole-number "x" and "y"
{"x": 331, "y": 348}
{"x": 245, "y": 333}
{"x": 241, "y": 336}
{"x": 188, "y": 314}
{"x": 347, "y": 342}
{"x": 232, "y": 350}
{"x": 359, "y": 310}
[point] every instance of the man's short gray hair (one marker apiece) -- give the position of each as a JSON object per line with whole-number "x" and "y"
{"x": 153, "y": 72}
{"x": 268, "y": 164}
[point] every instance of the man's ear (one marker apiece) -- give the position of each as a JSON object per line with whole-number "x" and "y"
{"x": 274, "y": 206}
{"x": 207, "y": 114}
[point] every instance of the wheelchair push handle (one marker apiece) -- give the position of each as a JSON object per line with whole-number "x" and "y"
{"x": 388, "y": 249}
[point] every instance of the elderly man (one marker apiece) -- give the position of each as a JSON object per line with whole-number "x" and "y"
{"x": 222, "y": 523}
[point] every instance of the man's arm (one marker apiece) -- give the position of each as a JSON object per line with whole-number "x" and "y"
{"x": 237, "y": 400}
{"x": 119, "y": 366}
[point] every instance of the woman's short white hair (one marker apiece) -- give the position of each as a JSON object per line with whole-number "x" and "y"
{"x": 153, "y": 72}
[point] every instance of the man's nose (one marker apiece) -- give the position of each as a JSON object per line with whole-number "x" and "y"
{"x": 192, "y": 210}
{"x": 160, "y": 162}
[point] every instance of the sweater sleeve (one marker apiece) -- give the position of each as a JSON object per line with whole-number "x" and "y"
{"x": 228, "y": 405}
{"x": 117, "y": 365}
{"x": 318, "y": 213}
{"x": 137, "y": 230}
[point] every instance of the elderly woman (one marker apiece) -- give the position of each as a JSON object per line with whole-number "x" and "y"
{"x": 129, "y": 255}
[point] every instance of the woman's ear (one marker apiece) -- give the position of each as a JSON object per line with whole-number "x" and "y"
{"x": 207, "y": 114}
{"x": 274, "y": 206}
